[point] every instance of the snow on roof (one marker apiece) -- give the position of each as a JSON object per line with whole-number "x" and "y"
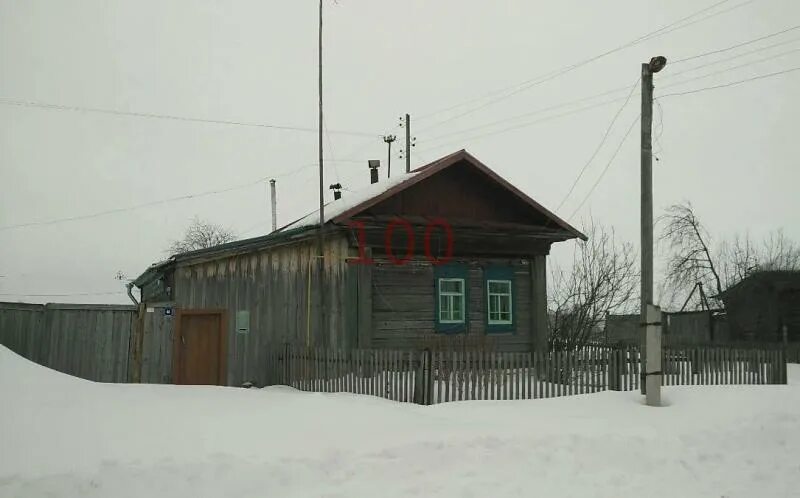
{"x": 349, "y": 200}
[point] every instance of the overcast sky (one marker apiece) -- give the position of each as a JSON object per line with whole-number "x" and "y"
{"x": 729, "y": 151}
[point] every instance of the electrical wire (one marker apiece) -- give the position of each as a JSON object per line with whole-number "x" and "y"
{"x": 727, "y": 69}
{"x": 63, "y": 295}
{"x": 23, "y": 103}
{"x": 732, "y": 83}
{"x": 149, "y": 204}
{"x": 738, "y": 45}
{"x": 659, "y": 129}
{"x": 505, "y": 89}
{"x": 550, "y": 76}
{"x": 697, "y": 90}
{"x": 330, "y": 149}
{"x": 524, "y": 125}
{"x": 743, "y": 54}
{"x": 600, "y": 145}
{"x": 614, "y": 90}
{"x": 524, "y": 115}
{"x": 622, "y": 88}
{"x": 608, "y": 165}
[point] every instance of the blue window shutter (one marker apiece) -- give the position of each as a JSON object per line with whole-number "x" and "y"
{"x": 499, "y": 273}
{"x": 451, "y": 271}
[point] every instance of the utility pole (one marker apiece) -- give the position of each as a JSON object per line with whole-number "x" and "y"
{"x": 650, "y": 314}
{"x": 274, "y": 202}
{"x": 389, "y": 139}
{"x": 321, "y": 237}
{"x": 321, "y": 174}
{"x": 408, "y": 143}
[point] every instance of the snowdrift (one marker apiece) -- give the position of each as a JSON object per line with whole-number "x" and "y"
{"x": 62, "y": 436}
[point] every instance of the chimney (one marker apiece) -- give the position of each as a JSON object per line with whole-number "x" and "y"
{"x": 374, "y": 164}
{"x": 274, "y": 205}
{"x": 337, "y": 191}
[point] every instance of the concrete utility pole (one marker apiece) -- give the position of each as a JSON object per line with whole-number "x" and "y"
{"x": 408, "y": 143}
{"x": 321, "y": 236}
{"x": 274, "y": 202}
{"x": 389, "y": 139}
{"x": 321, "y": 174}
{"x": 650, "y": 315}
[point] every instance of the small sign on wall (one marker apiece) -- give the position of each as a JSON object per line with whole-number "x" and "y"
{"x": 242, "y": 322}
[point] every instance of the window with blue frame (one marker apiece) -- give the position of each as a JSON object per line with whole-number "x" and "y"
{"x": 499, "y": 285}
{"x": 451, "y": 300}
{"x": 452, "y": 283}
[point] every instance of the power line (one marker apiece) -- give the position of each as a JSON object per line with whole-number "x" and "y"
{"x": 330, "y": 149}
{"x": 709, "y": 16}
{"x": 600, "y": 145}
{"x": 743, "y": 54}
{"x": 602, "y": 174}
{"x": 253, "y": 227}
{"x": 732, "y": 83}
{"x": 622, "y": 88}
{"x": 148, "y": 204}
{"x": 22, "y": 103}
{"x": 659, "y": 129}
{"x": 732, "y": 47}
{"x": 526, "y": 124}
{"x": 614, "y": 90}
{"x": 505, "y": 89}
{"x": 524, "y": 115}
{"x": 62, "y": 295}
{"x": 727, "y": 69}
{"x": 672, "y": 95}
{"x": 550, "y": 76}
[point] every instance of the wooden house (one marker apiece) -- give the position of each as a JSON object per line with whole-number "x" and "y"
{"x": 764, "y": 307}
{"x": 449, "y": 250}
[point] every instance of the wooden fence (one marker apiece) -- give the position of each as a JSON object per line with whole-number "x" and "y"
{"x": 85, "y": 340}
{"x": 792, "y": 352}
{"x": 427, "y": 377}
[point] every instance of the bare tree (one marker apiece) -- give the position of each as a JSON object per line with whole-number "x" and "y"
{"x": 603, "y": 278}
{"x": 690, "y": 262}
{"x": 741, "y": 257}
{"x": 693, "y": 265}
{"x": 201, "y": 234}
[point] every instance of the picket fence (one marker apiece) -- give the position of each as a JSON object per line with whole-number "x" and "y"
{"x": 427, "y": 377}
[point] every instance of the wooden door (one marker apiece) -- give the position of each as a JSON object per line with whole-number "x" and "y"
{"x": 200, "y": 348}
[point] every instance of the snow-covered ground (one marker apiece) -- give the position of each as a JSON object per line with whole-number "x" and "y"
{"x": 62, "y": 436}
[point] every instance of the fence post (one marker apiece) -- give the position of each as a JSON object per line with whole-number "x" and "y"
{"x": 614, "y": 374}
{"x": 784, "y": 379}
{"x": 419, "y": 382}
{"x": 286, "y": 365}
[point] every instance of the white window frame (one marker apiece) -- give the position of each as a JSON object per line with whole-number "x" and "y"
{"x": 449, "y": 295}
{"x": 508, "y": 294}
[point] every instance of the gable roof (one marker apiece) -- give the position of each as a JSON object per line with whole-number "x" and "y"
{"x": 779, "y": 279}
{"x": 341, "y": 210}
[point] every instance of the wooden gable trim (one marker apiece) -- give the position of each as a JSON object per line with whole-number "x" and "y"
{"x": 431, "y": 169}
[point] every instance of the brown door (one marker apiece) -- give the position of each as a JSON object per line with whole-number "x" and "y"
{"x": 200, "y": 347}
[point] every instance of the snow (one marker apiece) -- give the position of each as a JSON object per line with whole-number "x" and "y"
{"x": 349, "y": 200}
{"x": 65, "y": 437}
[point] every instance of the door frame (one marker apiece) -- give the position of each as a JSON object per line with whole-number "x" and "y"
{"x": 177, "y": 356}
